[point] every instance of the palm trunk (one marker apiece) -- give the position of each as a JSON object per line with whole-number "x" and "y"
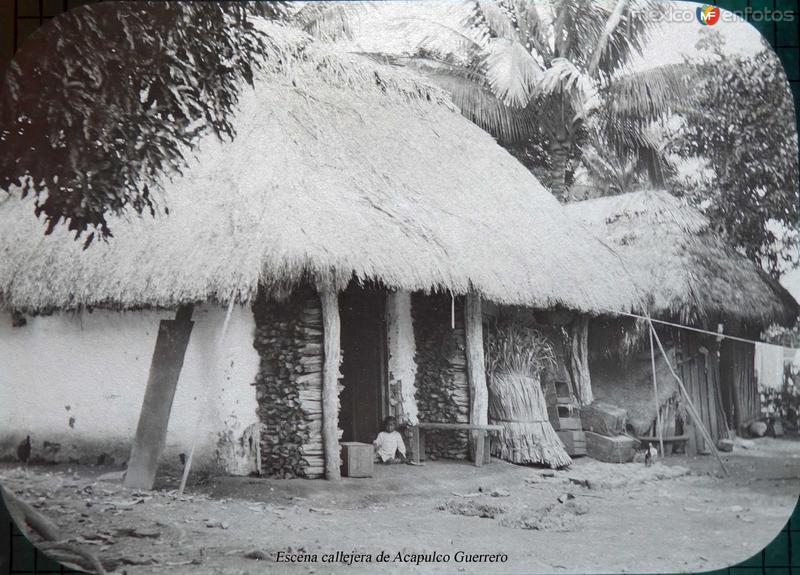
{"x": 559, "y": 157}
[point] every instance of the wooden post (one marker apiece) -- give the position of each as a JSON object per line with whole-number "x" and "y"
{"x": 401, "y": 350}
{"x": 331, "y": 329}
{"x": 579, "y": 359}
{"x": 476, "y": 374}
{"x": 165, "y": 369}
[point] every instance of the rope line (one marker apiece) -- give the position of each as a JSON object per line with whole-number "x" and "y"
{"x": 697, "y": 329}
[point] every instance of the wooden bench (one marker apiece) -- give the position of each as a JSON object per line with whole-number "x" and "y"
{"x": 484, "y": 431}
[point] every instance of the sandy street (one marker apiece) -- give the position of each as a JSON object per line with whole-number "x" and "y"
{"x": 594, "y": 517}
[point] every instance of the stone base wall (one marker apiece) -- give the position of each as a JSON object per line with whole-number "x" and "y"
{"x": 289, "y": 384}
{"x": 442, "y": 389}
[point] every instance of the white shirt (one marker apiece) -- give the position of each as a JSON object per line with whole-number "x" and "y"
{"x": 387, "y": 444}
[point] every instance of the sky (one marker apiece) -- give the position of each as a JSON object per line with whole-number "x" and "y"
{"x": 398, "y": 27}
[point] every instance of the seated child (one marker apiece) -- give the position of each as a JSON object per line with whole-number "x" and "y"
{"x": 389, "y": 443}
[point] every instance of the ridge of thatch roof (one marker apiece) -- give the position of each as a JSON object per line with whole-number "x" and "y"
{"x": 685, "y": 269}
{"x": 341, "y": 167}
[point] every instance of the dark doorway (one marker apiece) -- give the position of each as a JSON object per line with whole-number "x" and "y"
{"x": 363, "y": 399}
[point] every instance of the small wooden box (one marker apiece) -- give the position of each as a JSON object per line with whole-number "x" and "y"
{"x": 563, "y": 417}
{"x": 574, "y": 442}
{"x": 619, "y": 449}
{"x": 357, "y": 459}
{"x": 559, "y": 391}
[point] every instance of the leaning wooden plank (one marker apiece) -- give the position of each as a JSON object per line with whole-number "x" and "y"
{"x": 165, "y": 369}
{"x": 659, "y": 429}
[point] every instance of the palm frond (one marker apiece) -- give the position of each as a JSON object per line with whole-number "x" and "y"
{"x": 611, "y": 25}
{"x": 478, "y": 104}
{"x": 630, "y": 35}
{"x": 470, "y": 92}
{"x": 535, "y": 28}
{"x": 640, "y": 146}
{"x": 649, "y": 94}
{"x": 512, "y": 72}
{"x": 327, "y": 20}
{"x": 448, "y": 41}
{"x": 495, "y": 18}
{"x": 572, "y": 86}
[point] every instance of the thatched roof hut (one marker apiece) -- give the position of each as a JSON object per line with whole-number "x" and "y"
{"x": 341, "y": 167}
{"x": 683, "y": 267}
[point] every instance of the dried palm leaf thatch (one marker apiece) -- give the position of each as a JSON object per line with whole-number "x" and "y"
{"x": 517, "y": 403}
{"x": 687, "y": 272}
{"x": 341, "y": 167}
{"x": 517, "y": 356}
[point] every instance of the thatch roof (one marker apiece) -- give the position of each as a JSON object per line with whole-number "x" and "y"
{"x": 685, "y": 269}
{"x": 340, "y": 167}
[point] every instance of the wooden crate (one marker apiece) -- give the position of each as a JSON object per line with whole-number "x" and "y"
{"x": 558, "y": 391}
{"x": 574, "y": 442}
{"x": 357, "y": 459}
{"x": 618, "y": 449}
{"x": 564, "y": 417}
{"x": 603, "y": 418}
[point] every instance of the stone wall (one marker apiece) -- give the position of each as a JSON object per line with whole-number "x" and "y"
{"x": 442, "y": 389}
{"x": 289, "y": 384}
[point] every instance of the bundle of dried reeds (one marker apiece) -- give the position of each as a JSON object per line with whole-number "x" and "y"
{"x": 517, "y": 356}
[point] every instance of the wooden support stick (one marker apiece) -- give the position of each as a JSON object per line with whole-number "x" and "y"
{"x": 690, "y": 407}
{"x": 201, "y": 415}
{"x": 331, "y": 327}
{"x": 165, "y": 369}
{"x": 660, "y": 432}
{"x": 476, "y": 374}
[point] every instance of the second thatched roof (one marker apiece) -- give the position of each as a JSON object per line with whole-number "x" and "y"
{"x": 341, "y": 167}
{"x": 686, "y": 271}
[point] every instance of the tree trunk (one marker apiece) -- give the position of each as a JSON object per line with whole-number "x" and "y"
{"x": 559, "y": 158}
{"x": 402, "y": 365}
{"x": 165, "y": 370}
{"x": 331, "y": 329}
{"x": 476, "y": 374}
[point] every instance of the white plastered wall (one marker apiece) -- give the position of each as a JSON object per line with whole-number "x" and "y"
{"x": 76, "y": 381}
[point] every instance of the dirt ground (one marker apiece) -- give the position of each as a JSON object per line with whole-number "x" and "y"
{"x": 676, "y": 516}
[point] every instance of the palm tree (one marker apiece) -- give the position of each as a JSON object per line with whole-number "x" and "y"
{"x": 557, "y": 75}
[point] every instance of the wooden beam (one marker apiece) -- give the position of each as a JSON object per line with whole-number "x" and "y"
{"x": 458, "y": 426}
{"x": 476, "y": 374}
{"x": 331, "y": 329}
{"x": 165, "y": 369}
